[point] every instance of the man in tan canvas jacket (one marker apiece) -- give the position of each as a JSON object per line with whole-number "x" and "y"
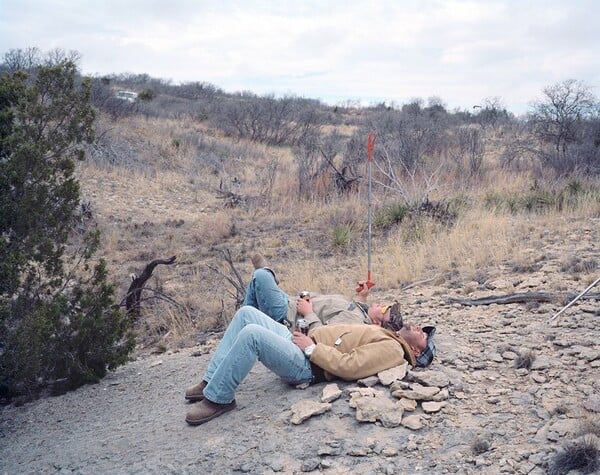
{"x": 346, "y": 351}
{"x": 350, "y": 351}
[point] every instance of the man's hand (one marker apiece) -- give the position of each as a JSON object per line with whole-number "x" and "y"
{"x": 362, "y": 291}
{"x": 304, "y": 307}
{"x": 301, "y": 340}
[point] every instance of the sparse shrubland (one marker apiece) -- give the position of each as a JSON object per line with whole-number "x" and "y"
{"x": 192, "y": 171}
{"x": 453, "y": 193}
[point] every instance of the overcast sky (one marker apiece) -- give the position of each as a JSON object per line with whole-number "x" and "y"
{"x": 460, "y": 51}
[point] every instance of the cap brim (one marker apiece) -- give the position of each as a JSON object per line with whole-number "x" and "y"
{"x": 426, "y": 356}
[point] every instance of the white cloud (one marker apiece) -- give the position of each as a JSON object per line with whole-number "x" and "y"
{"x": 461, "y": 51}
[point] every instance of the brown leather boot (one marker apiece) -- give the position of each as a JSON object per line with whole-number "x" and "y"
{"x": 196, "y": 393}
{"x": 207, "y": 410}
{"x": 259, "y": 262}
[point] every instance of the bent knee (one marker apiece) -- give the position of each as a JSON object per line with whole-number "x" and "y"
{"x": 245, "y": 311}
{"x": 250, "y": 333}
{"x": 263, "y": 275}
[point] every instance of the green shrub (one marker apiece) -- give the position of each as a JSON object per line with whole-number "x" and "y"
{"x": 390, "y": 215}
{"x": 58, "y": 325}
{"x": 501, "y": 202}
{"x": 397, "y": 212}
{"x": 459, "y": 204}
{"x": 539, "y": 200}
{"x": 146, "y": 95}
{"x": 575, "y": 187}
{"x": 342, "y": 235}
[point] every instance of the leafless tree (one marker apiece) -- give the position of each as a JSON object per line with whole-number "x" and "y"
{"x": 470, "y": 147}
{"x": 492, "y": 112}
{"x": 310, "y": 164}
{"x": 561, "y": 120}
{"x": 22, "y": 59}
{"x": 275, "y": 121}
{"x": 413, "y": 184}
{"x": 31, "y": 58}
{"x": 58, "y": 55}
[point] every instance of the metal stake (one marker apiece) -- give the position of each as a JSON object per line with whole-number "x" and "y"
{"x": 370, "y": 145}
{"x": 550, "y": 320}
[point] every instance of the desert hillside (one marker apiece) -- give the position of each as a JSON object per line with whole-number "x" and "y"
{"x": 455, "y": 206}
{"x": 210, "y": 177}
{"x": 508, "y": 393}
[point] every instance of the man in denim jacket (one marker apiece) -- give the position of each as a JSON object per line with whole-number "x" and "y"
{"x": 264, "y": 293}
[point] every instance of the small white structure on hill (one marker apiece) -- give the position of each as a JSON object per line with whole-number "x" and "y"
{"x": 127, "y": 96}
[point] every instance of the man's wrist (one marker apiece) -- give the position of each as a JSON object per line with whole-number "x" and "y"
{"x": 309, "y": 349}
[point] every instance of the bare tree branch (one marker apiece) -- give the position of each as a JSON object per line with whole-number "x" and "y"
{"x": 157, "y": 295}
{"x": 134, "y": 293}
{"x": 234, "y": 278}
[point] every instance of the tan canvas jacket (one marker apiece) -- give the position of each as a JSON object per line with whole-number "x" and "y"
{"x": 354, "y": 351}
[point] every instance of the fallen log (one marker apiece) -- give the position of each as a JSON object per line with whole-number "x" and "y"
{"x": 520, "y": 298}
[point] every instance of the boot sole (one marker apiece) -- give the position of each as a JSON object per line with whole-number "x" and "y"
{"x": 197, "y": 422}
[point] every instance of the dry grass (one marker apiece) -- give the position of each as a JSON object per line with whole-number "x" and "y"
{"x": 166, "y": 204}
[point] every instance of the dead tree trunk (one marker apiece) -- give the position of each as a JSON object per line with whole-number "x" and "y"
{"x": 518, "y": 298}
{"x": 132, "y": 299}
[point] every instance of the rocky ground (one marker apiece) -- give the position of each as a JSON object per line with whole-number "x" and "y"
{"x": 506, "y": 393}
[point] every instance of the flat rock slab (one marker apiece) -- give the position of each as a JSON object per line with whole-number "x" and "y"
{"x": 305, "y": 409}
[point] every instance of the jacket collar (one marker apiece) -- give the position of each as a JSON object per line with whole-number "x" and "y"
{"x": 408, "y": 352}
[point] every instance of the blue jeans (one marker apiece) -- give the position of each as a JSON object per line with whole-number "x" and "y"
{"x": 264, "y": 294}
{"x": 252, "y": 335}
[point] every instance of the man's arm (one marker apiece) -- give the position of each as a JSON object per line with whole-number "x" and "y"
{"x": 304, "y": 307}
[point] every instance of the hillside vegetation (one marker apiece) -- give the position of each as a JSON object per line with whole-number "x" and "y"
{"x": 189, "y": 182}
{"x": 192, "y": 172}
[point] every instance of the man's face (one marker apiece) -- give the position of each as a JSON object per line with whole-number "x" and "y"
{"x": 379, "y": 314}
{"x": 415, "y": 337}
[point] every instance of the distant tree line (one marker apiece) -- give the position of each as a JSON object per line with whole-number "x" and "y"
{"x": 560, "y": 132}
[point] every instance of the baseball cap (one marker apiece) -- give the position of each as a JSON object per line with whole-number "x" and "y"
{"x": 426, "y": 356}
{"x": 395, "y": 323}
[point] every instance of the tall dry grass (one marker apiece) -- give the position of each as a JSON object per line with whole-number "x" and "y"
{"x": 163, "y": 199}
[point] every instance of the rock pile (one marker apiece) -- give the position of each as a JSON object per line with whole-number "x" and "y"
{"x": 427, "y": 391}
